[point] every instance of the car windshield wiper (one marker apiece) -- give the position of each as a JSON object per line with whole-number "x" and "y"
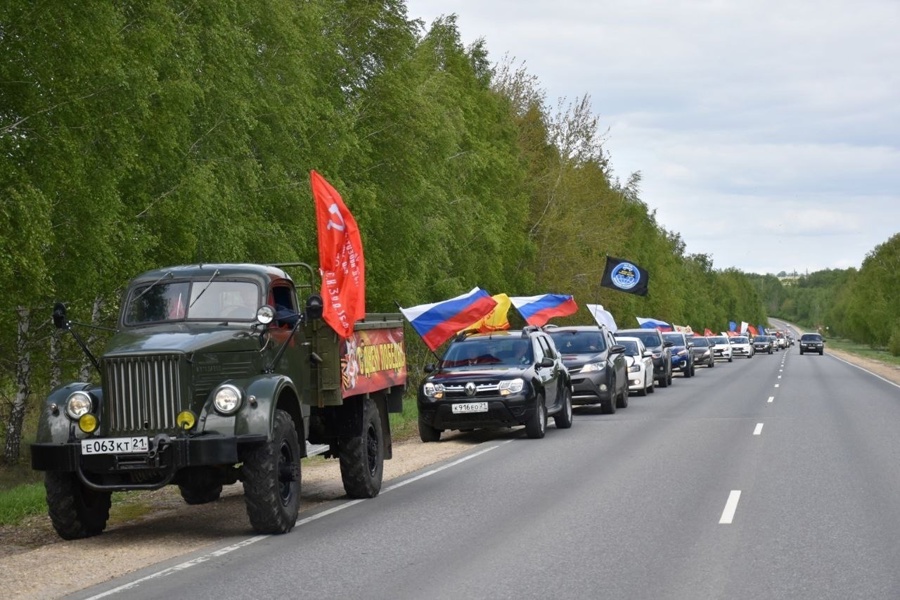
{"x": 150, "y": 287}
{"x": 208, "y": 283}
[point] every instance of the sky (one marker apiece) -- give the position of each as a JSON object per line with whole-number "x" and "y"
{"x": 766, "y": 132}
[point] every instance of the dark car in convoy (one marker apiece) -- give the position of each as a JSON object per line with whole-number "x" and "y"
{"x": 499, "y": 379}
{"x": 682, "y": 357}
{"x": 762, "y": 343}
{"x": 812, "y": 342}
{"x": 596, "y": 364}
{"x": 661, "y": 349}
{"x": 702, "y": 351}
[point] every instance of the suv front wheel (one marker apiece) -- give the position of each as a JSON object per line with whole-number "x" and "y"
{"x": 536, "y": 426}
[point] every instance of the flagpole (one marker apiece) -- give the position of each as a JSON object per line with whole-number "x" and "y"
{"x": 433, "y": 353}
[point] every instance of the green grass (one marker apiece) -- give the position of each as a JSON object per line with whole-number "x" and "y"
{"x": 22, "y": 501}
{"x": 880, "y": 354}
{"x": 405, "y": 425}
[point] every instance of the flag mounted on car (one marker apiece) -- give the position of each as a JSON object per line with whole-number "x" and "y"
{"x": 341, "y": 263}
{"x": 648, "y": 323}
{"x": 497, "y": 319}
{"x": 537, "y": 310}
{"x": 438, "y": 322}
{"x": 625, "y": 276}
{"x": 603, "y": 317}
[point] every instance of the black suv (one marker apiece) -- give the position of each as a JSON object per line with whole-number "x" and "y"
{"x": 596, "y": 363}
{"x": 499, "y": 379}
{"x": 812, "y": 342}
{"x": 662, "y": 355}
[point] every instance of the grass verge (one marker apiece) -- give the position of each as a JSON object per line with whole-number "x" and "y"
{"x": 879, "y": 354}
{"x": 22, "y": 501}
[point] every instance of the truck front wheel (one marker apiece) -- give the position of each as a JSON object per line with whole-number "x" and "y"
{"x": 362, "y": 455}
{"x": 271, "y": 479}
{"x": 76, "y": 511}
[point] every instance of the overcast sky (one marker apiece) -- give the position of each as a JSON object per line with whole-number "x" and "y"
{"x": 767, "y": 132}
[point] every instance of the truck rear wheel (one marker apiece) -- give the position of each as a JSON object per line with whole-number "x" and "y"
{"x": 76, "y": 511}
{"x": 271, "y": 479}
{"x": 362, "y": 455}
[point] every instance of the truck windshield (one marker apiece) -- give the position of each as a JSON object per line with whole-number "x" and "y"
{"x": 196, "y": 300}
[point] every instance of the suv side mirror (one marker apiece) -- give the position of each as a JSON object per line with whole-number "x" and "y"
{"x": 59, "y": 315}
{"x": 616, "y": 349}
{"x": 668, "y": 344}
{"x": 547, "y": 362}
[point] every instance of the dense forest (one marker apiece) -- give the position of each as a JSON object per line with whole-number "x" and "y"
{"x": 140, "y": 134}
{"x": 862, "y": 305}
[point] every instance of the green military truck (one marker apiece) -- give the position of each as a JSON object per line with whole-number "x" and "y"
{"x": 217, "y": 373}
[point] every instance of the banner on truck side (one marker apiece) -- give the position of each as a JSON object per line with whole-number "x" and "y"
{"x": 372, "y": 360}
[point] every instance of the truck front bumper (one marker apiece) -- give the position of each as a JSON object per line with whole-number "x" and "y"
{"x": 150, "y": 470}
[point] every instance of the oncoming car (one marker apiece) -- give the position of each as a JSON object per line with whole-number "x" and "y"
{"x": 500, "y": 379}
{"x": 812, "y": 342}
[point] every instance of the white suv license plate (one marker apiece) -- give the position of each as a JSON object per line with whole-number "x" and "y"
{"x": 132, "y": 445}
{"x": 470, "y": 407}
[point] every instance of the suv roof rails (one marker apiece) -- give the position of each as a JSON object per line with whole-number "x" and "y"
{"x": 530, "y": 329}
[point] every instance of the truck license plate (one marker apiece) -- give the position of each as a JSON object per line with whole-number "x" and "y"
{"x": 470, "y": 407}
{"x": 132, "y": 445}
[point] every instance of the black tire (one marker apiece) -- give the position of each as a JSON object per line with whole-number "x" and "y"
{"x": 362, "y": 456}
{"x": 730, "y": 359}
{"x": 669, "y": 378}
{"x": 608, "y": 406}
{"x": 644, "y": 390}
{"x": 75, "y": 510}
{"x": 622, "y": 402}
{"x": 821, "y": 352}
{"x": 563, "y": 418}
{"x": 688, "y": 372}
{"x": 427, "y": 433}
{"x": 193, "y": 496}
{"x": 652, "y": 388}
{"x": 664, "y": 382}
{"x": 801, "y": 352}
{"x": 271, "y": 478}
{"x": 536, "y": 426}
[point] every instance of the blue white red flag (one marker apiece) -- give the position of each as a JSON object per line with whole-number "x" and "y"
{"x": 648, "y": 323}
{"x": 537, "y": 310}
{"x": 440, "y": 321}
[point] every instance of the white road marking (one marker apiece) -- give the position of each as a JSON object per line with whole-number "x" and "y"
{"x": 758, "y": 429}
{"x": 730, "y": 507}
{"x": 777, "y": 384}
{"x": 771, "y": 398}
{"x": 779, "y": 377}
{"x": 228, "y": 549}
{"x": 864, "y": 369}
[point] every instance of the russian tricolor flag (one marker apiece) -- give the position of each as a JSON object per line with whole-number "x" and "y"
{"x": 537, "y": 310}
{"x": 440, "y": 321}
{"x": 647, "y": 323}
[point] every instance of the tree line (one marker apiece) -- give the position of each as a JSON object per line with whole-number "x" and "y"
{"x": 135, "y": 135}
{"x": 862, "y": 305}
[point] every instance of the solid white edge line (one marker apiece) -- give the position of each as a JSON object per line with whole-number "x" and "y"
{"x": 847, "y": 362}
{"x": 730, "y": 507}
{"x": 228, "y": 549}
{"x": 771, "y": 399}
{"x": 776, "y": 385}
{"x": 758, "y": 429}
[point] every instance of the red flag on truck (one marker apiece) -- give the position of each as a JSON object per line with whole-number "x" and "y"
{"x": 341, "y": 262}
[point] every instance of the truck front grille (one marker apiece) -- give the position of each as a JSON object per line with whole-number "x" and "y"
{"x": 141, "y": 393}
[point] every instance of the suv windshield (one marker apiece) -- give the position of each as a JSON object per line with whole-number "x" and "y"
{"x": 675, "y": 338}
{"x": 198, "y": 300}
{"x": 494, "y": 352}
{"x": 578, "y": 342}
{"x": 810, "y": 337}
{"x": 651, "y": 338}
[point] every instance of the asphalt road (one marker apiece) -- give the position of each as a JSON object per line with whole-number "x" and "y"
{"x": 771, "y": 477}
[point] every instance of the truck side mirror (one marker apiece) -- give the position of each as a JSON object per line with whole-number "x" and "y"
{"x": 314, "y": 307}
{"x": 59, "y": 316}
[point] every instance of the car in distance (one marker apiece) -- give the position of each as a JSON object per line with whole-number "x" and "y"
{"x": 639, "y": 361}
{"x": 703, "y": 352}
{"x": 762, "y": 343}
{"x": 596, "y": 364}
{"x": 682, "y": 357}
{"x": 721, "y": 347}
{"x": 741, "y": 346}
{"x": 812, "y": 342}
{"x": 661, "y": 349}
{"x": 495, "y": 380}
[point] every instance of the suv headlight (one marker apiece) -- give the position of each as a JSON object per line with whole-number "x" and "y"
{"x": 592, "y": 367}
{"x": 227, "y": 399}
{"x": 78, "y": 404}
{"x": 511, "y": 386}
{"x": 433, "y": 390}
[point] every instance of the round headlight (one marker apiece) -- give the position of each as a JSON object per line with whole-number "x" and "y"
{"x": 265, "y": 314}
{"x": 227, "y": 399}
{"x": 79, "y": 403}
{"x": 88, "y": 423}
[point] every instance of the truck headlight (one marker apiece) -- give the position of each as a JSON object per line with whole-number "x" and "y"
{"x": 227, "y": 399}
{"x": 78, "y": 404}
